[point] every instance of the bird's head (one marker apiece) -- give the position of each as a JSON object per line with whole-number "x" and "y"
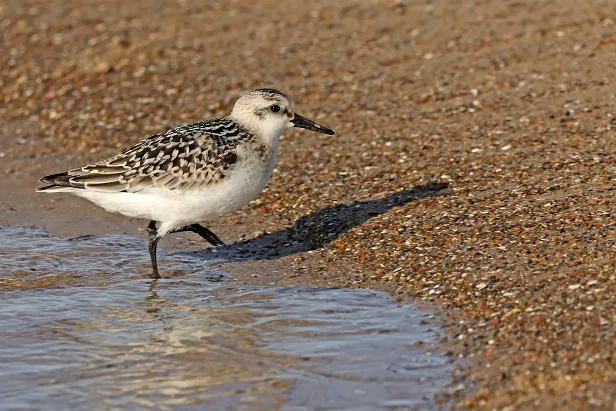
{"x": 269, "y": 112}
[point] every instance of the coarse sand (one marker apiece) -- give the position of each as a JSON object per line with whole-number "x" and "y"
{"x": 473, "y": 166}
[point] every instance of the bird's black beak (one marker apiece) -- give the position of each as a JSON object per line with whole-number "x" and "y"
{"x": 303, "y": 122}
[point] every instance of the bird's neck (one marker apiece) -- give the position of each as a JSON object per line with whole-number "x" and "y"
{"x": 267, "y": 131}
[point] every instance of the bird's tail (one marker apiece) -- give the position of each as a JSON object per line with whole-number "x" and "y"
{"x": 57, "y": 183}
{"x": 53, "y": 188}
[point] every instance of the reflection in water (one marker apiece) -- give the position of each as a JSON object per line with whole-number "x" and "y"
{"x": 79, "y": 330}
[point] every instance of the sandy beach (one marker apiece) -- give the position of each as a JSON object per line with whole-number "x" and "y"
{"x": 472, "y": 170}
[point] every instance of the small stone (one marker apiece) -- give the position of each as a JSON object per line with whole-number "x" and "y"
{"x": 574, "y": 286}
{"x": 102, "y": 68}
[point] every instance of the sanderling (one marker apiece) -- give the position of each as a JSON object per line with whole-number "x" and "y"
{"x": 192, "y": 173}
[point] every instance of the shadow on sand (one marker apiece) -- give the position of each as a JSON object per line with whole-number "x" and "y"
{"x": 317, "y": 229}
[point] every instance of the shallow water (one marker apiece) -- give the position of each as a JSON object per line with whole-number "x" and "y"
{"x": 81, "y": 327}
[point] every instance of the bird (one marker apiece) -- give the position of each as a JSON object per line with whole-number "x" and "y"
{"x": 190, "y": 174}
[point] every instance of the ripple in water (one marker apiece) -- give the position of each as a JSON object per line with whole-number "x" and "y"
{"x": 82, "y": 328}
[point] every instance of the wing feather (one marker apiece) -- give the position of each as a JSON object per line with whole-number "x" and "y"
{"x": 185, "y": 159}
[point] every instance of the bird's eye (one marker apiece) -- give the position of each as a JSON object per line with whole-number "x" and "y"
{"x": 275, "y": 108}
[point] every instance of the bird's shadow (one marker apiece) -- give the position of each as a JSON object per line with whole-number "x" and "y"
{"x": 316, "y": 229}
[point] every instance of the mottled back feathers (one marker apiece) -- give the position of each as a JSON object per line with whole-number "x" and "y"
{"x": 184, "y": 159}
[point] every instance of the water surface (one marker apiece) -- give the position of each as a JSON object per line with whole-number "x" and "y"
{"x": 81, "y": 327}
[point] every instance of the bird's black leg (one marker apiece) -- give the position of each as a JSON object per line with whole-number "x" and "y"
{"x": 203, "y": 232}
{"x": 152, "y": 247}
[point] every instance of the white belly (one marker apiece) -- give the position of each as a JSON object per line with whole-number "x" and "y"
{"x": 176, "y": 210}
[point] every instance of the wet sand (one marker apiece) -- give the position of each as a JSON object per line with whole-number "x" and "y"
{"x": 473, "y": 165}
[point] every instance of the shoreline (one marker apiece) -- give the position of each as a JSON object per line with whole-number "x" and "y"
{"x": 280, "y": 258}
{"x": 510, "y": 105}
